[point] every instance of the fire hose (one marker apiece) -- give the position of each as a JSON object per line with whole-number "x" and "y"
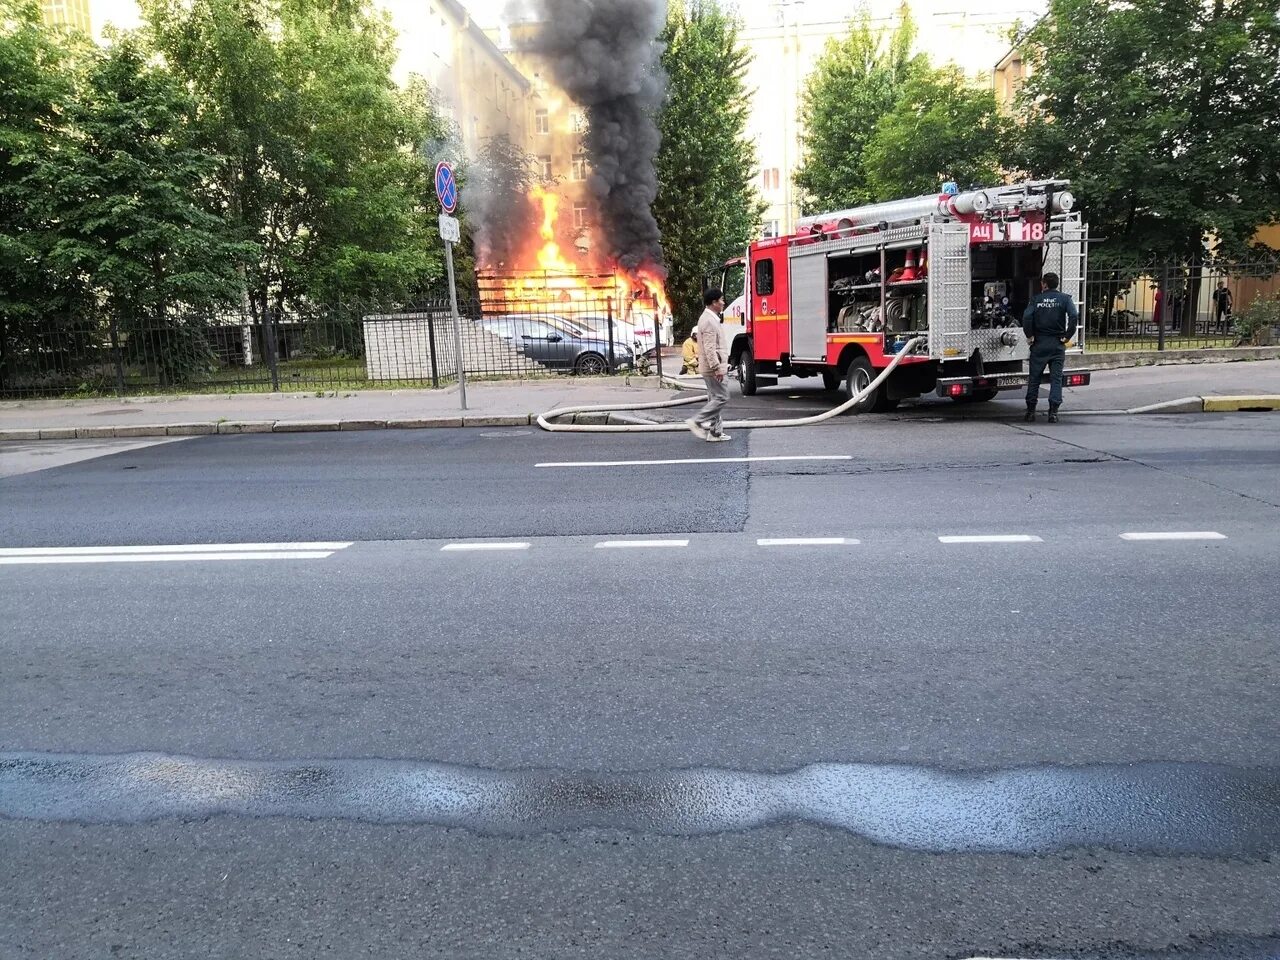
{"x": 545, "y": 419}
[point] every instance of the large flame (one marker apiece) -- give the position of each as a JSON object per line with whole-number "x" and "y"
{"x": 572, "y": 279}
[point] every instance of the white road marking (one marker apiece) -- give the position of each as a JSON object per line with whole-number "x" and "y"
{"x": 162, "y": 557}
{"x": 625, "y": 544}
{"x": 660, "y": 463}
{"x": 459, "y": 547}
{"x": 1175, "y": 535}
{"x": 804, "y": 542}
{"x": 994, "y": 538}
{"x": 170, "y": 548}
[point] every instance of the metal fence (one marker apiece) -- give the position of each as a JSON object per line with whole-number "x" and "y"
{"x": 363, "y": 345}
{"x": 1179, "y": 306}
{"x": 352, "y": 346}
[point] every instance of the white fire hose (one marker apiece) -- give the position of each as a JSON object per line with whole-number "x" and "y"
{"x": 544, "y": 420}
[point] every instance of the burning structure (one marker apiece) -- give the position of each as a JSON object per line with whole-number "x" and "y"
{"x": 581, "y": 239}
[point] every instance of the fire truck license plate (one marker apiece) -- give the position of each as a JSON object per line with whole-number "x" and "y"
{"x": 1015, "y": 231}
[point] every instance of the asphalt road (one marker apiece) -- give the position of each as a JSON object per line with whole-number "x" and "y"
{"x": 890, "y": 746}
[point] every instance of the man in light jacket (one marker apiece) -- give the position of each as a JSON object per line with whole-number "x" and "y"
{"x": 713, "y": 364}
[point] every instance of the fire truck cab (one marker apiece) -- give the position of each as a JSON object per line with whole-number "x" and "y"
{"x": 846, "y": 292}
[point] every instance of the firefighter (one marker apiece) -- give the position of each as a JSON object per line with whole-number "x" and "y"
{"x": 1049, "y": 323}
{"x": 689, "y": 353}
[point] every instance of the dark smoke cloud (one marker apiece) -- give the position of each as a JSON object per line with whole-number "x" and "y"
{"x": 497, "y": 203}
{"x": 604, "y": 55}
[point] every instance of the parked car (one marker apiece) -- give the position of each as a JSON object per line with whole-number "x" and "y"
{"x": 559, "y": 349}
{"x": 640, "y": 338}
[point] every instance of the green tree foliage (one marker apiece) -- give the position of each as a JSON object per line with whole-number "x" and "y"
{"x": 1165, "y": 115}
{"x": 324, "y": 169}
{"x": 707, "y": 206}
{"x": 127, "y": 195}
{"x": 858, "y": 80}
{"x": 942, "y": 128}
{"x": 38, "y": 68}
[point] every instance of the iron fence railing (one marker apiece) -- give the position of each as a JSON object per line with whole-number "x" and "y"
{"x": 362, "y": 345}
{"x": 1167, "y": 306}
{"x": 352, "y": 346}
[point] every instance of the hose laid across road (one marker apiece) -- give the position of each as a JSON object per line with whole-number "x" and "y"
{"x": 545, "y": 419}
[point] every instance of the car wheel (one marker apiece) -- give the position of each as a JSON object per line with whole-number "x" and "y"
{"x": 747, "y": 373}
{"x": 590, "y": 365}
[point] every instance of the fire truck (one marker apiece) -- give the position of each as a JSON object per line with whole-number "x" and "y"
{"x": 849, "y": 289}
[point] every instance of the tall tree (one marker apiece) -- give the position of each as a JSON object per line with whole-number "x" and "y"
{"x": 858, "y": 80}
{"x": 1165, "y": 114}
{"x": 128, "y": 195}
{"x": 38, "y": 69}
{"x": 942, "y": 128}
{"x": 707, "y": 206}
{"x": 324, "y": 168}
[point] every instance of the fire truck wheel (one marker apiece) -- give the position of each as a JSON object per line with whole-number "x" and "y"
{"x": 590, "y": 365}
{"x": 859, "y": 375}
{"x": 747, "y": 373}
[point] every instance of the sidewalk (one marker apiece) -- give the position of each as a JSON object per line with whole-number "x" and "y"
{"x": 520, "y": 402}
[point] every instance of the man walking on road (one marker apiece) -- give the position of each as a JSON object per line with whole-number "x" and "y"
{"x": 1049, "y": 323}
{"x": 713, "y": 364}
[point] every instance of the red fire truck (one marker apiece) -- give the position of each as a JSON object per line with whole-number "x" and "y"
{"x": 851, "y": 288}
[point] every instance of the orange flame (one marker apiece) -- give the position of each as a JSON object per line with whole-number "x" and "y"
{"x": 583, "y": 282}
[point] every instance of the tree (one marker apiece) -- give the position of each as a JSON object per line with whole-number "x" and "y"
{"x": 324, "y": 170}
{"x": 707, "y": 207}
{"x": 128, "y": 196}
{"x": 1166, "y": 117}
{"x": 858, "y": 80}
{"x": 39, "y": 306}
{"x": 941, "y": 129}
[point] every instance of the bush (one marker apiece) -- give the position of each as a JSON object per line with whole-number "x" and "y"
{"x": 1255, "y": 326}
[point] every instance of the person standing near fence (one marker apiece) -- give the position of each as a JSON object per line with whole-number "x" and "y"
{"x": 713, "y": 364}
{"x": 1049, "y": 324}
{"x": 1221, "y": 307}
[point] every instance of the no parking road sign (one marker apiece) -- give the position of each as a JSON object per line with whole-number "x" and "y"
{"x": 446, "y": 186}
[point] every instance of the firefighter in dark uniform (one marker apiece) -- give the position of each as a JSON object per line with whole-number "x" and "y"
{"x": 1049, "y": 323}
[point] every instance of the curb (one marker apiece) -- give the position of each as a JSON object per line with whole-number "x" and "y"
{"x": 1208, "y": 404}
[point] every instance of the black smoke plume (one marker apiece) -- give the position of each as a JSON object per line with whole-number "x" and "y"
{"x": 604, "y": 55}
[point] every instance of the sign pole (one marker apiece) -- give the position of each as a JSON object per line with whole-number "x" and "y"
{"x": 457, "y": 323}
{"x": 447, "y": 194}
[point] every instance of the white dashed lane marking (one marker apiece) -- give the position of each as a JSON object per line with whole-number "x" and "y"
{"x": 666, "y": 463}
{"x": 626, "y": 544}
{"x": 805, "y": 542}
{"x": 994, "y": 538}
{"x": 171, "y": 553}
{"x": 463, "y": 547}
{"x": 1175, "y": 535}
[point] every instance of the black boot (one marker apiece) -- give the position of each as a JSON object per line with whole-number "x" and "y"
{"x": 1031, "y": 413}
{"x": 1053, "y": 413}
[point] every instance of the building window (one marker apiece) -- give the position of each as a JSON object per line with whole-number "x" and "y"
{"x": 579, "y": 169}
{"x": 769, "y": 229}
{"x": 541, "y": 122}
{"x": 579, "y": 121}
{"x": 544, "y": 167}
{"x": 770, "y": 179}
{"x": 579, "y": 215}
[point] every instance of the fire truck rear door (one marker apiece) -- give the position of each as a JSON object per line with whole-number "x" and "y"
{"x": 949, "y": 274}
{"x": 1066, "y": 254}
{"x": 809, "y": 306}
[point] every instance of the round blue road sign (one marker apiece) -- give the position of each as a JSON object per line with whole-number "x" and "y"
{"x": 446, "y": 186}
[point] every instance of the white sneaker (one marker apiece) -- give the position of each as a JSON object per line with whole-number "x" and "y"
{"x": 717, "y": 437}
{"x": 697, "y": 429}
